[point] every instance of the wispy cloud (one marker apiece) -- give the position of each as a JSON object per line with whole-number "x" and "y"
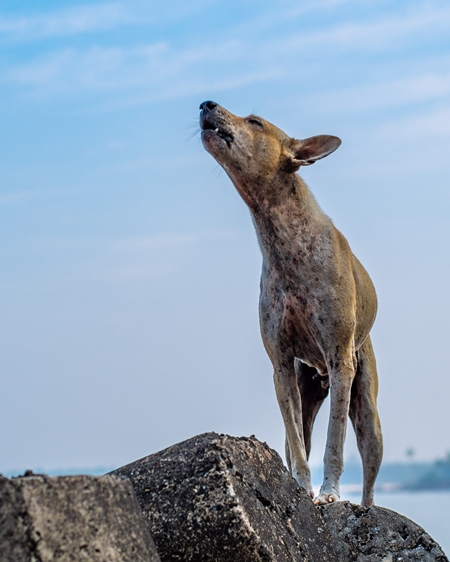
{"x": 367, "y": 30}
{"x": 67, "y": 21}
{"x": 14, "y": 197}
{"x": 155, "y": 255}
{"x": 297, "y": 9}
{"x": 137, "y": 74}
{"x": 285, "y": 11}
{"x": 150, "y": 244}
{"x": 95, "y": 69}
{"x": 434, "y": 123}
{"x": 377, "y": 34}
{"x": 142, "y": 74}
{"x": 104, "y": 16}
{"x": 93, "y": 17}
{"x": 25, "y": 196}
{"x": 383, "y": 94}
{"x": 166, "y": 240}
{"x": 161, "y": 241}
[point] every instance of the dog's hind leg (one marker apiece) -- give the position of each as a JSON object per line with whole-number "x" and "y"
{"x": 289, "y": 400}
{"x": 313, "y": 391}
{"x": 364, "y": 416}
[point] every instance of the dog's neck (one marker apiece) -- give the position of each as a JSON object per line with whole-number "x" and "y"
{"x": 286, "y": 216}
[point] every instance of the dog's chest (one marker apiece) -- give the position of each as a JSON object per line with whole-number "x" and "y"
{"x": 292, "y": 320}
{"x": 297, "y": 292}
{"x": 297, "y": 251}
{"x": 302, "y": 301}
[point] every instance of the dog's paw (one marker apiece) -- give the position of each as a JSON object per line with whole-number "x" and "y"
{"x": 305, "y": 483}
{"x": 308, "y": 489}
{"x": 325, "y": 498}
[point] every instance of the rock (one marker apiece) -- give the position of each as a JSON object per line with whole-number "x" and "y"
{"x": 211, "y": 498}
{"x": 220, "y": 498}
{"x": 378, "y": 534}
{"x": 72, "y": 518}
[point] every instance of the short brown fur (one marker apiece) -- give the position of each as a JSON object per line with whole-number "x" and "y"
{"x": 317, "y": 302}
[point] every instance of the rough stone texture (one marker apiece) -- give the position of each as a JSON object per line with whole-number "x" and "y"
{"x": 220, "y": 498}
{"x": 14, "y": 543}
{"x": 377, "y": 534}
{"x": 72, "y": 518}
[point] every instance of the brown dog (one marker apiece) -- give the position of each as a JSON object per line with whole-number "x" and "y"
{"x": 317, "y": 302}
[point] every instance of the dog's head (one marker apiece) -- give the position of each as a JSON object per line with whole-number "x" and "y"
{"x": 252, "y": 149}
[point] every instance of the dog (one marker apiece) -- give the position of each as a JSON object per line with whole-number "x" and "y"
{"x": 317, "y": 302}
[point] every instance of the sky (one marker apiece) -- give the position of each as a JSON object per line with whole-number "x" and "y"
{"x": 129, "y": 265}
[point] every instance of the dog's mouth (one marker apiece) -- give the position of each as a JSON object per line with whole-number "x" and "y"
{"x": 219, "y": 130}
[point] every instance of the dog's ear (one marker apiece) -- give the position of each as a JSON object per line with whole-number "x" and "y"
{"x": 307, "y": 151}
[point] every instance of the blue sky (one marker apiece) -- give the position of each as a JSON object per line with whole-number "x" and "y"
{"x": 130, "y": 269}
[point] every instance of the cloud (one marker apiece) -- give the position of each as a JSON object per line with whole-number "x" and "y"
{"x": 94, "y": 69}
{"x": 401, "y": 91}
{"x": 94, "y": 17}
{"x": 148, "y": 72}
{"x": 161, "y": 241}
{"x": 139, "y": 74}
{"x": 104, "y": 16}
{"x": 434, "y": 123}
{"x": 378, "y": 34}
{"x": 167, "y": 240}
{"x": 353, "y": 30}
{"x": 14, "y": 198}
{"x": 283, "y": 12}
{"x": 154, "y": 256}
{"x": 68, "y": 21}
{"x": 25, "y": 196}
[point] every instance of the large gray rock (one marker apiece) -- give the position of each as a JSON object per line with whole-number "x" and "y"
{"x": 70, "y": 519}
{"x": 372, "y": 534}
{"x": 219, "y": 498}
{"x": 227, "y": 499}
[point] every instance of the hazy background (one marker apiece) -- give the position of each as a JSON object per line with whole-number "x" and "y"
{"x": 129, "y": 266}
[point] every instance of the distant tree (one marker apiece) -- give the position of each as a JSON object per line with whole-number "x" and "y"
{"x": 436, "y": 478}
{"x": 410, "y": 453}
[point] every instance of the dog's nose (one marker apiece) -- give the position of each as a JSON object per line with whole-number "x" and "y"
{"x": 208, "y": 105}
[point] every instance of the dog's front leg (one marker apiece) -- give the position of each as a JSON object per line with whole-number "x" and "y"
{"x": 289, "y": 400}
{"x": 340, "y": 389}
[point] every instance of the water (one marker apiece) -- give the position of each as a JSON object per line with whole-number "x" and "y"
{"x": 430, "y": 510}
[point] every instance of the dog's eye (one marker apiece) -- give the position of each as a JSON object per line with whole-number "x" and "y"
{"x": 254, "y": 121}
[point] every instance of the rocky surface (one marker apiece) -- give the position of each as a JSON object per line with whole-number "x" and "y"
{"x": 226, "y": 499}
{"x": 72, "y": 518}
{"x": 211, "y": 498}
{"x": 369, "y": 534}
{"x": 220, "y": 498}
